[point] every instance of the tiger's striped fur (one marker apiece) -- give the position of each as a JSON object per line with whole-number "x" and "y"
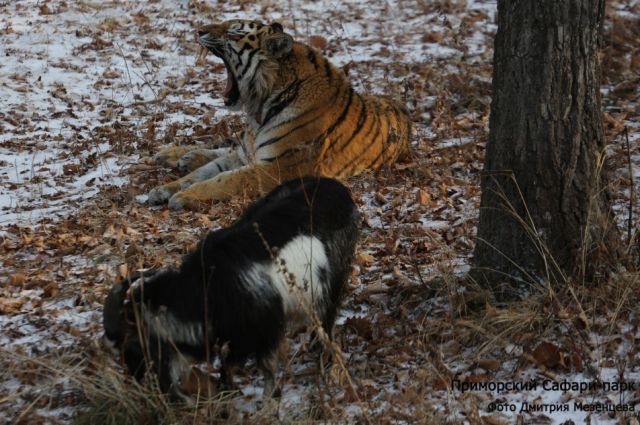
{"x": 303, "y": 118}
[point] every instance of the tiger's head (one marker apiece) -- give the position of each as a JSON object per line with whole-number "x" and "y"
{"x": 251, "y": 52}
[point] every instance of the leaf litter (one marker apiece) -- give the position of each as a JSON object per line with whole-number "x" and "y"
{"x": 91, "y": 90}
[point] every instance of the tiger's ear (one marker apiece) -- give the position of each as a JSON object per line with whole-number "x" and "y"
{"x": 277, "y": 26}
{"x": 279, "y": 45}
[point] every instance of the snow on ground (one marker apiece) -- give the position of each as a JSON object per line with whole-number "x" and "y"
{"x": 89, "y": 90}
{"x": 73, "y": 75}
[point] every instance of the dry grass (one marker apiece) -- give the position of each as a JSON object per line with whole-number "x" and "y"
{"x": 413, "y": 322}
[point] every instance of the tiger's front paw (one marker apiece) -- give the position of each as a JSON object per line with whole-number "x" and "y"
{"x": 169, "y": 157}
{"x": 195, "y": 159}
{"x": 182, "y": 201}
{"x": 160, "y": 195}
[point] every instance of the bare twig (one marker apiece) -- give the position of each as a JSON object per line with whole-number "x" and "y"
{"x": 631, "y": 190}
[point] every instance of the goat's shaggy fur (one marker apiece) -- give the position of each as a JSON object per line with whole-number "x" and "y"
{"x": 287, "y": 257}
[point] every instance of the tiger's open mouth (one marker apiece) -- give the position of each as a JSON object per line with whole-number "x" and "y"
{"x": 231, "y": 92}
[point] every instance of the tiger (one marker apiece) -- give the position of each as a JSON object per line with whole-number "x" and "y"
{"x": 302, "y": 117}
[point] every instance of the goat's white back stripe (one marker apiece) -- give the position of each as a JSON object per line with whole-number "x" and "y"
{"x": 295, "y": 274}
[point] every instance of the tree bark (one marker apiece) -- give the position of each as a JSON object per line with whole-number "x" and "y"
{"x": 545, "y": 214}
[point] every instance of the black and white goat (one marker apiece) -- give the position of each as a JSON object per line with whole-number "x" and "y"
{"x": 288, "y": 255}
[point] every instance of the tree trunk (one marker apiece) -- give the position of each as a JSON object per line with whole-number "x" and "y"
{"x": 545, "y": 214}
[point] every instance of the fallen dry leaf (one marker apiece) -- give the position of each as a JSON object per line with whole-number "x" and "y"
{"x": 547, "y": 354}
{"x": 17, "y": 279}
{"x": 365, "y": 258}
{"x": 318, "y": 42}
{"x": 10, "y": 306}
{"x": 490, "y": 364}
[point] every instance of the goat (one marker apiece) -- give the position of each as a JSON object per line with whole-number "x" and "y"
{"x": 288, "y": 257}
